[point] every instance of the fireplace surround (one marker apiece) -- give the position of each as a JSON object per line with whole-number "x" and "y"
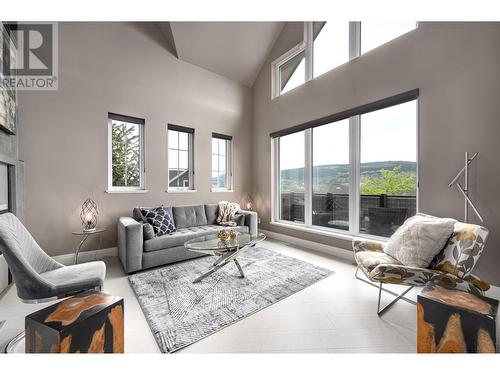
{"x": 11, "y": 182}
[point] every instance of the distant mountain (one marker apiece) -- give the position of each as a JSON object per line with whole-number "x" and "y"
{"x": 375, "y": 167}
{"x": 335, "y": 177}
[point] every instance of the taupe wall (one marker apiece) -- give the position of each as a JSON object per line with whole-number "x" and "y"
{"x": 122, "y": 68}
{"x": 455, "y": 66}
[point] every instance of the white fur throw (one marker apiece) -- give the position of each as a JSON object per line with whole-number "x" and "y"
{"x": 227, "y": 212}
{"x": 419, "y": 240}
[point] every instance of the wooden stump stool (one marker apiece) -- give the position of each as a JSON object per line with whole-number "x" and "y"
{"x": 90, "y": 322}
{"x": 455, "y": 321}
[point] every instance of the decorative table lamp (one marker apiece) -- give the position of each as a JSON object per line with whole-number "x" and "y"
{"x": 89, "y": 215}
{"x": 247, "y": 203}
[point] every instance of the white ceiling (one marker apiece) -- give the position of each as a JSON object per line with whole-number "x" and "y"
{"x": 235, "y": 50}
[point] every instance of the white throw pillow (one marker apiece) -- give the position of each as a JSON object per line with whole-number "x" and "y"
{"x": 419, "y": 240}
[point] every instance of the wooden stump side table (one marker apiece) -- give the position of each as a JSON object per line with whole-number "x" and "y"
{"x": 450, "y": 320}
{"x": 90, "y": 322}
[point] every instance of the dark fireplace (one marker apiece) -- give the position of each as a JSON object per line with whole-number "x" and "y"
{"x": 6, "y": 205}
{"x": 5, "y": 198}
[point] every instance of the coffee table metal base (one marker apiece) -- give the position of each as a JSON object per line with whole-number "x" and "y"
{"x": 224, "y": 259}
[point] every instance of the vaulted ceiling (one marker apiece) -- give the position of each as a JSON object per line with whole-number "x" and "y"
{"x": 235, "y": 50}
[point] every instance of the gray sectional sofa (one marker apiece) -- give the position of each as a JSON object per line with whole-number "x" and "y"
{"x": 191, "y": 221}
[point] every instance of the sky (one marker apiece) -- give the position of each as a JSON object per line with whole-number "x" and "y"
{"x": 387, "y": 134}
{"x": 374, "y": 34}
{"x": 331, "y": 47}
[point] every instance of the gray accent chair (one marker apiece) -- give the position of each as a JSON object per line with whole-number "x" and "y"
{"x": 191, "y": 221}
{"x": 38, "y": 277}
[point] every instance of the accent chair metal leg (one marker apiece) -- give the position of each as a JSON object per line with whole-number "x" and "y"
{"x": 380, "y": 289}
{"x": 388, "y": 306}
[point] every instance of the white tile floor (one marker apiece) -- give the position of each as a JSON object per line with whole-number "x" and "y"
{"x": 337, "y": 314}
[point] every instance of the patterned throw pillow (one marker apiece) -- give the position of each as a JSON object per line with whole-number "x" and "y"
{"x": 160, "y": 219}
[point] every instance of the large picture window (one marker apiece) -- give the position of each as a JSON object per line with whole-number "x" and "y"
{"x": 291, "y": 166}
{"x": 331, "y": 175}
{"x": 126, "y": 153}
{"x": 221, "y": 162}
{"x": 180, "y": 158}
{"x": 388, "y": 168}
{"x": 354, "y": 172}
{"x": 327, "y": 45}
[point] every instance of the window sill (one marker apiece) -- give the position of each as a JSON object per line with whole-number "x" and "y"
{"x": 131, "y": 191}
{"x": 329, "y": 233}
{"x": 180, "y": 191}
{"x": 222, "y": 191}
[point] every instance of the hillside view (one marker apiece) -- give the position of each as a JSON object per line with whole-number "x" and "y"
{"x": 385, "y": 177}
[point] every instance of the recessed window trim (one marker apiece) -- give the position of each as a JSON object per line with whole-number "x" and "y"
{"x": 354, "y": 116}
{"x": 142, "y": 169}
{"x": 228, "y": 160}
{"x": 190, "y": 150}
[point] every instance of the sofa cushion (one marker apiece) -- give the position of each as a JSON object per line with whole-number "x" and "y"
{"x": 189, "y": 216}
{"x": 76, "y": 277}
{"x": 371, "y": 259}
{"x": 184, "y": 234}
{"x": 211, "y": 211}
{"x": 160, "y": 219}
{"x": 239, "y": 219}
{"x": 137, "y": 215}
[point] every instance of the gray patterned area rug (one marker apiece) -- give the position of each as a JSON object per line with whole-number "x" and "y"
{"x": 181, "y": 313}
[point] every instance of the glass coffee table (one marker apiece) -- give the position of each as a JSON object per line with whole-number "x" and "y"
{"x": 227, "y": 251}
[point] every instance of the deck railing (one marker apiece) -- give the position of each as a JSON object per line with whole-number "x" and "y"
{"x": 379, "y": 214}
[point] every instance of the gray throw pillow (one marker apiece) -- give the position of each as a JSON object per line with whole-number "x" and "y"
{"x": 148, "y": 231}
{"x": 239, "y": 219}
{"x": 419, "y": 240}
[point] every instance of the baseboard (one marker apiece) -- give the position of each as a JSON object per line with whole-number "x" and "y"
{"x": 87, "y": 256}
{"x": 315, "y": 246}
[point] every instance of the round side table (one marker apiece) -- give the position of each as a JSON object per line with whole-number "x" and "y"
{"x": 85, "y": 234}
